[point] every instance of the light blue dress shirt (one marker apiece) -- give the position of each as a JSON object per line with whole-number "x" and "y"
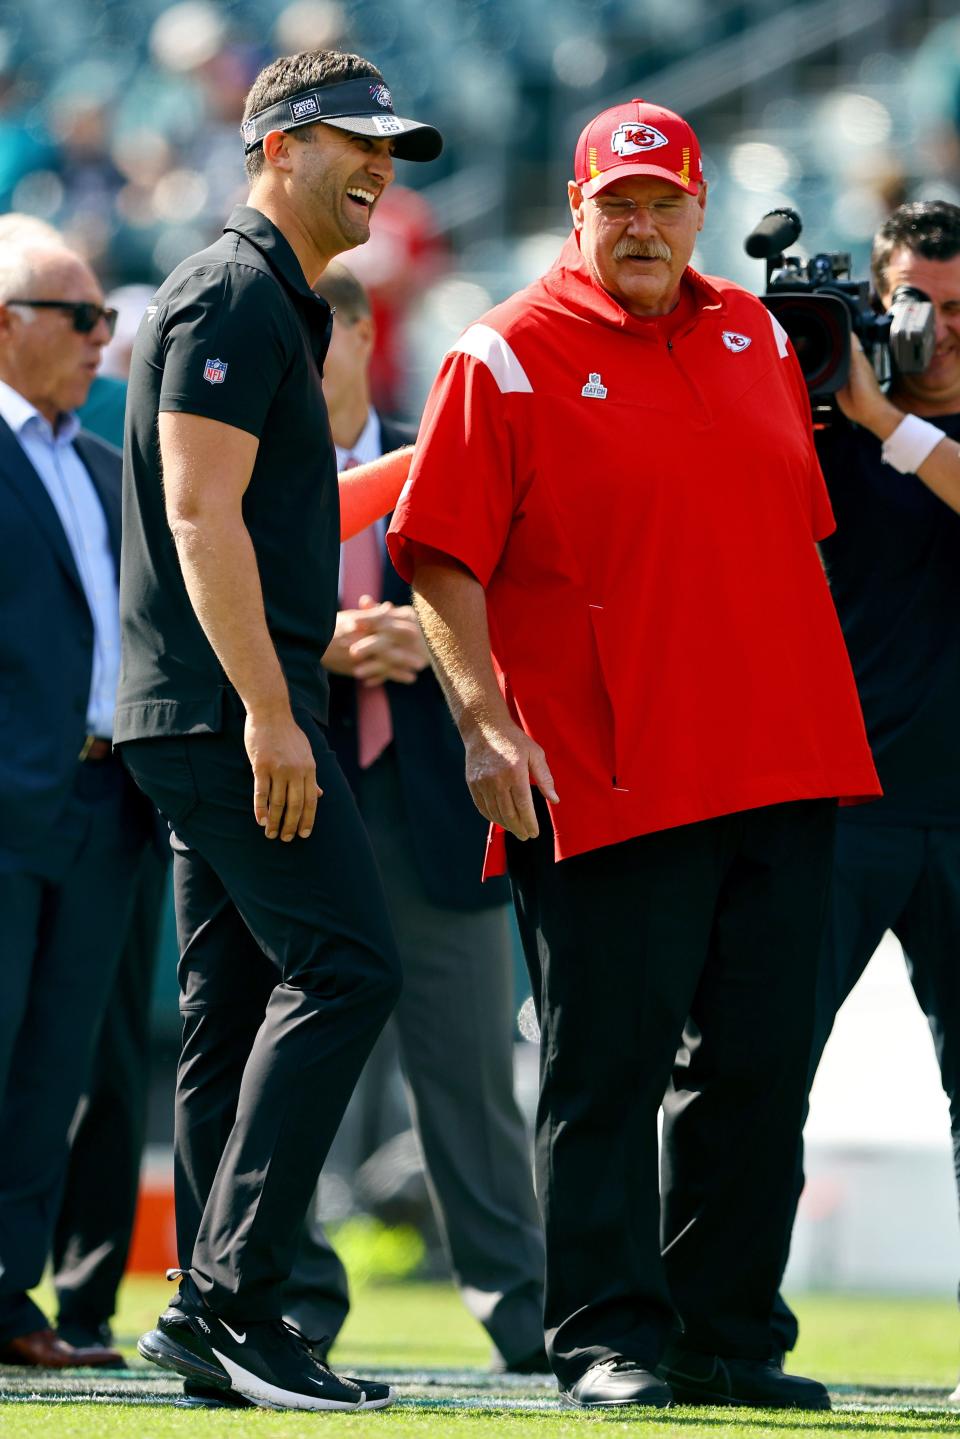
{"x": 65, "y": 478}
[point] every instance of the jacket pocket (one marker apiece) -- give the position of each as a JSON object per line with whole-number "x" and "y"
{"x": 608, "y": 668}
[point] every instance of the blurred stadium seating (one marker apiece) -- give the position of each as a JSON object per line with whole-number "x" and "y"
{"x": 118, "y": 121}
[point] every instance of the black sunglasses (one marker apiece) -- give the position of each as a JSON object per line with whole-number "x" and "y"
{"x": 85, "y": 314}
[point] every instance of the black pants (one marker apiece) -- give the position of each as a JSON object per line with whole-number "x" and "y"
{"x": 455, "y": 1028}
{"x": 706, "y": 937}
{"x": 906, "y": 880}
{"x": 63, "y": 908}
{"x": 287, "y": 973}
{"x": 95, "y": 1224}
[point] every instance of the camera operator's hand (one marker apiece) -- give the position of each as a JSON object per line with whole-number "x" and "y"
{"x": 862, "y": 399}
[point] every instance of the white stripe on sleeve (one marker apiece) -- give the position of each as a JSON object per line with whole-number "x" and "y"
{"x": 780, "y": 335}
{"x": 492, "y": 349}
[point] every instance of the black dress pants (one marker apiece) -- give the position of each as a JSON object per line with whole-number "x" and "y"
{"x": 705, "y": 938}
{"x": 94, "y": 1228}
{"x": 287, "y": 974}
{"x": 905, "y": 879}
{"x": 63, "y": 908}
{"x": 455, "y": 1028}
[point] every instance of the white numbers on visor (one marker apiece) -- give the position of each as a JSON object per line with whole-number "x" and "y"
{"x": 387, "y": 124}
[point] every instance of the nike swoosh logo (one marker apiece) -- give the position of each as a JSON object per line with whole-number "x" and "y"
{"x": 240, "y": 1338}
{"x": 324, "y": 1388}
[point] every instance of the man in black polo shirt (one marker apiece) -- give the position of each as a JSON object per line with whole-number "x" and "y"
{"x": 228, "y": 600}
{"x": 894, "y": 569}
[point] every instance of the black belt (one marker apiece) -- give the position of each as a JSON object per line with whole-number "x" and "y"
{"x": 95, "y": 750}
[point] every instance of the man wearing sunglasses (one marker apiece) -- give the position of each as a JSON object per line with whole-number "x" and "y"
{"x": 72, "y": 825}
{"x": 85, "y": 316}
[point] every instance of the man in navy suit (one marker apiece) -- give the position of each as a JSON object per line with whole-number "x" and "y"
{"x": 393, "y": 735}
{"x": 72, "y": 826}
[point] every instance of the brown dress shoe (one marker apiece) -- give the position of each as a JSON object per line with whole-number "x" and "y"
{"x": 45, "y": 1350}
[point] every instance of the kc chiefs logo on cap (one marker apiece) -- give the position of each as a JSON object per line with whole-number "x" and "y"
{"x": 635, "y": 139}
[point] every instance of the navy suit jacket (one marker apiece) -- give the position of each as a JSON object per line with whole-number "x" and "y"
{"x": 46, "y": 641}
{"x": 449, "y": 834}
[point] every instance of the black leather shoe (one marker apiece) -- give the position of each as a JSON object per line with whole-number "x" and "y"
{"x": 616, "y": 1381}
{"x": 710, "y": 1379}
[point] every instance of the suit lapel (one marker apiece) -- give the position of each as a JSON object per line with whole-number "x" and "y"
{"x": 19, "y": 475}
{"x": 108, "y": 493}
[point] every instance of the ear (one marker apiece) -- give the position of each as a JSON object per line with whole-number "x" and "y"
{"x": 702, "y": 202}
{"x": 276, "y": 149}
{"x": 6, "y": 323}
{"x": 575, "y": 197}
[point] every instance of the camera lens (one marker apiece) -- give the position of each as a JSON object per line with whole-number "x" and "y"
{"x": 810, "y": 340}
{"x": 819, "y": 330}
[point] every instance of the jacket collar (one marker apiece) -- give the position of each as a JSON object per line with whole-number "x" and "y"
{"x": 573, "y": 284}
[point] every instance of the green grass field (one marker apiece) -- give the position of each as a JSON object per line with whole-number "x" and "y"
{"x": 889, "y": 1364}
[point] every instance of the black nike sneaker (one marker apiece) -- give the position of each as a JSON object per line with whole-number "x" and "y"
{"x": 266, "y": 1362}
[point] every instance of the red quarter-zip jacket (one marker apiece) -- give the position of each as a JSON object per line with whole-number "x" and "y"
{"x": 641, "y": 503}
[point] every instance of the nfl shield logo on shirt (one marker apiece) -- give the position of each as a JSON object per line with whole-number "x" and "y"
{"x": 215, "y": 371}
{"x": 594, "y": 389}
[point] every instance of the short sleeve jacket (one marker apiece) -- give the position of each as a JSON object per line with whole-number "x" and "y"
{"x": 643, "y": 515}
{"x": 235, "y": 334}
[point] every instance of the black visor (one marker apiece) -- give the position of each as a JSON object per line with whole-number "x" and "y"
{"x": 363, "y": 106}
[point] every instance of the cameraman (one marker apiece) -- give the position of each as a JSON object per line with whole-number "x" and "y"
{"x": 893, "y": 474}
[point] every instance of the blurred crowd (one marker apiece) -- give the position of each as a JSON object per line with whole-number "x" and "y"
{"x": 119, "y": 127}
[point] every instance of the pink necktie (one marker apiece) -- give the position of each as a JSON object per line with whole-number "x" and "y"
{"x": 363, "y": 575}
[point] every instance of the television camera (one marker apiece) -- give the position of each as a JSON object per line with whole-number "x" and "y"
{"x": 820, "y": 307}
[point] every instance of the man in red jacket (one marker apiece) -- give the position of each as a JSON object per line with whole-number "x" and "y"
{"x": 611, "y": 527}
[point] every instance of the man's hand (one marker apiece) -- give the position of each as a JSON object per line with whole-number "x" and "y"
{"x": 501, "y": 758}
{"x": 862, "y": 399}
{"x": 377, "y": 642}
{"x": 500, "y": 766}
{"x": 285, "y": 791}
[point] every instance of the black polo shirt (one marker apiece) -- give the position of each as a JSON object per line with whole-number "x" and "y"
{"x": 235, "y": 334}
{"x": 894, "y": 568}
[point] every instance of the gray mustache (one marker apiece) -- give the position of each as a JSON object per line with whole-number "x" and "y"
{"x": 646, "y": 249}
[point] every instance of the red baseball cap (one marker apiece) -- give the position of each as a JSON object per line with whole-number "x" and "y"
{"x": 637, "y": 139}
